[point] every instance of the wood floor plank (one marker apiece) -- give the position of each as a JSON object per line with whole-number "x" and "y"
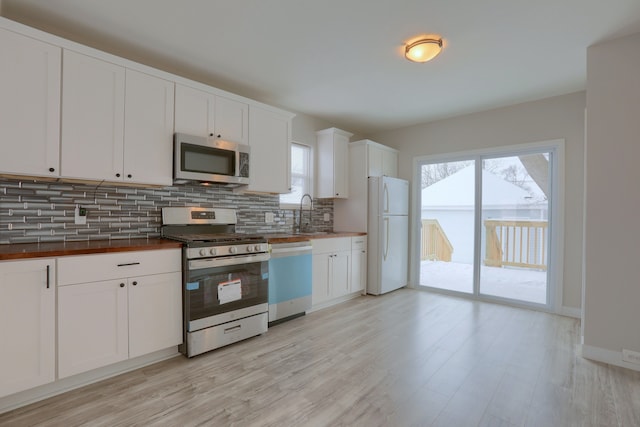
{"x": 408, "y": 358}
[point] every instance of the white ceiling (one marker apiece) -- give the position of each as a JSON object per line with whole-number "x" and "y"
{"x": 341, "y": 60}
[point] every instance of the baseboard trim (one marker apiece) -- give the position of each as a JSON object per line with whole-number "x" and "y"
{"x": 570, "y": 312}
{"x": 335, "y": 301}
{"x": 607, "y": 356}
{"x": 23, "y": 398}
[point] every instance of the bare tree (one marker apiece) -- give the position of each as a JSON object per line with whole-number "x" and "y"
{"x": 434, "y": 172}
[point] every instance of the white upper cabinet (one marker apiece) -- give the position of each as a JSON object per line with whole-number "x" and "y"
{"x": 29, "y": 106}
{"x": 92, "y": 118}
{"x": 333, "y": 161}
{"x": 148, "y": 129}
{"x": 194, "y": 111}
{"x": 270, "y": 141}
{"x": 231, "y": 120}
{"x": 205, "y": 114}
{"x": 366, "y": 158}
{"x": 383, "y": 161}
{"x": 117, "y": 124}
{"x": 69, "y": 111}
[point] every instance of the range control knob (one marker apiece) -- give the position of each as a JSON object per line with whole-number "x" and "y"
{"x": 233, "y": 250}
{"x": 212, "y": 251}
{"x": 258, "y": 248}
{"x": 203, "y": 252}
{"x": 249, "y": 248}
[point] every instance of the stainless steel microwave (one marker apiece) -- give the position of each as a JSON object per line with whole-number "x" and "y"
{"x": 202, "y": 159}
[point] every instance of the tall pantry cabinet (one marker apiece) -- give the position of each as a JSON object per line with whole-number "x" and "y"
{"x": 366, "y": 158}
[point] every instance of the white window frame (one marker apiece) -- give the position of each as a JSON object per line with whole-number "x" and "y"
{"x": 288, "y": 204}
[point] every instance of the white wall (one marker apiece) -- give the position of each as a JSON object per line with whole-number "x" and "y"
{"x": 547, "y": 119}
{"x": 305, "y": 127}
{"x": 612, "y": 230}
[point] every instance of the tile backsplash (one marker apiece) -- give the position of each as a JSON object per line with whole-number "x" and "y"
{"x": 39, "y": 211}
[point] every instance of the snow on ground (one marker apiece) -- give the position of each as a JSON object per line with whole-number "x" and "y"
{"x": 515, "y": 283}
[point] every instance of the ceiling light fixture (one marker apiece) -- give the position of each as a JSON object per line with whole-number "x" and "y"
{"x": 423, "y": 50}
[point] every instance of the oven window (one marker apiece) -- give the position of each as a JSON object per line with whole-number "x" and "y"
{"x": 196, "y": 158}
{"x": 218, "y": 290}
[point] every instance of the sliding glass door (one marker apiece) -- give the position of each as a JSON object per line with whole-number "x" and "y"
{"x": 485, "y": 225}
{"x": 515, "y": 227}
{"x": 447, "y": 225}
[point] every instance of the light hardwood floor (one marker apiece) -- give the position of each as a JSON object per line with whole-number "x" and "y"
{"x": 402, "y": 359}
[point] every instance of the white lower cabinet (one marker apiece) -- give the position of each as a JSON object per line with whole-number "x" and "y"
{"x": 92, "y": 326}
{"x": 336, "y": 273}
{"x": 27, "y": 324}
{"x": 132, "y": 313}
{"x": 155, "y": 313}
{"x": 358, "y": 264}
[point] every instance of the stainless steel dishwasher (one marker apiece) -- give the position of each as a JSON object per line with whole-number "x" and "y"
{"x": 290, "y": 282}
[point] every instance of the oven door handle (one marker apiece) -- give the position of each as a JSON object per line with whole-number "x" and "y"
{"x": 198, "y": 264}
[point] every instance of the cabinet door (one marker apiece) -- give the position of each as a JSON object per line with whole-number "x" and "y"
{"x": 231, "y": 121}
{"x": 92, "y": 326}
{"x": 270, "y": 143}
{"x": 321, "y": 273}
{"x": 390, "y": 163}
{"x": 92, "y": 118}
{"x": 148, "y": 129}
{"x": 27, "y": 324}
{"x": 340, "y": 274}
{"x": 194, "y": 111}
{"x": 29, "y": 106}
{"x": 375, "y": 160}
{"x": 341, "y": 171}
{"x": 333, "y": 160}
{"x": 358, "y": 270}
{"x": 155, "y": 313}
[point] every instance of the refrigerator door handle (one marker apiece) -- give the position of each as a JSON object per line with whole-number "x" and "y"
{"x": 386, "y": 243}
{"x": 385, "y": 197}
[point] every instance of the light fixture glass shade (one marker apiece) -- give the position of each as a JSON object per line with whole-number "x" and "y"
{"x": 423, "y": 50}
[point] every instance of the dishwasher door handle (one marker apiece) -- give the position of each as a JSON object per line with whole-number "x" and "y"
{"x": 304, "y": 250}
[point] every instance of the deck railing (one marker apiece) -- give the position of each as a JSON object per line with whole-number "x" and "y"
{"x": 435, "y": 245}
{"x": 516, "y": 243}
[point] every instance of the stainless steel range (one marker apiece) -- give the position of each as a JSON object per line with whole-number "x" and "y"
{"x": 225, "y": 277}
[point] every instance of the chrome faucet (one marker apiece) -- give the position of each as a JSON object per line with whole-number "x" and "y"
{"x": 300, "y": 225}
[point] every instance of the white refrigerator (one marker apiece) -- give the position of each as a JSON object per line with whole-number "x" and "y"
{"x": 388, "y": 234}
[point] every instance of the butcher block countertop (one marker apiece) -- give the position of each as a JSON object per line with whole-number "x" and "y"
{"x": 56, "y": 249}
{"x": 303, "y": 237}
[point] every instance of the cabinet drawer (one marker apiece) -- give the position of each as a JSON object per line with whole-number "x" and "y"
{"x": 98, "y": 267}
{"x": 335, "y": 244}
{"x": 359, "y": 243}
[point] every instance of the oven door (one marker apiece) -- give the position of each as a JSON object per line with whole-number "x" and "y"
{"x": 219, "y": 290}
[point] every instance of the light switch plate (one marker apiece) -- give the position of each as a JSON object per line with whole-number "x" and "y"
{"x": 268, "y": 217}
{"x": 327, "y": 217}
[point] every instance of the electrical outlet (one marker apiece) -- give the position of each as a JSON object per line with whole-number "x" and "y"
{"x": 80, "y": 215}
{"x": 268, "y": 217}
{"x": 631, "y": 356}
